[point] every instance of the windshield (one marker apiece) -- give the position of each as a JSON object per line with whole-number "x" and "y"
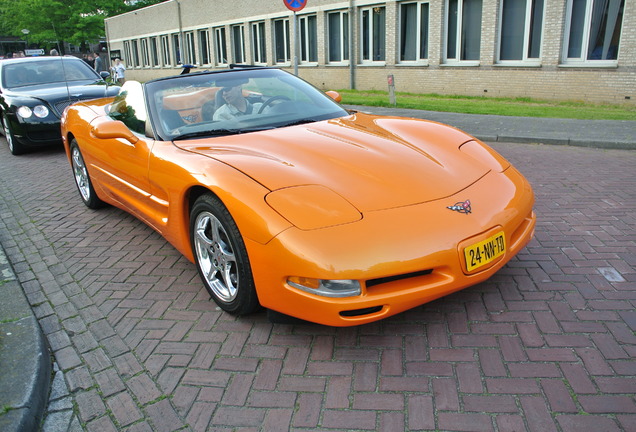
{"x": 45, "y": 72}
{"x": 236, "y": 101}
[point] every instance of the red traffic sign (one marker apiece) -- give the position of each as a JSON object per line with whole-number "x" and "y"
{"x": 295, "y": 5}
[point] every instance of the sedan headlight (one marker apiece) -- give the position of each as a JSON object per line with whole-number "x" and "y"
{"x": 326, "y": 288}
{"x": 39, "y": 111}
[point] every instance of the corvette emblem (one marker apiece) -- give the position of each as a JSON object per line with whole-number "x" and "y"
{"x": 461, "y": 207}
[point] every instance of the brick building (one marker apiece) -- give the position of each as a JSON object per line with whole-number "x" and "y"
{"x": 547, "y": 49}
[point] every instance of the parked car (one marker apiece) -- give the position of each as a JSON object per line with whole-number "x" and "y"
{"x": 34, "y": 91}
{"x": 295, "y": 204}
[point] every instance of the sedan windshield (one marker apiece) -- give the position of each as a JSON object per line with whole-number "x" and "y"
{"x": 46, "y": 72}
{"x": 233, "y": 102}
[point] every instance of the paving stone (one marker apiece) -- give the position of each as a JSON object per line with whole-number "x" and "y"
{"x": 544, "y": 345}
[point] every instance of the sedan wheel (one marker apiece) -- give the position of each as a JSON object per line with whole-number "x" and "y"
{"x": 82, "y": 179}
{"x": 221, "y": 257}
{"x": 15, "y": 147}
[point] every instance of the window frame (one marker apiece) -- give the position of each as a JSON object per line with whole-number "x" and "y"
{"x": 457, "y": 60}
{"x": 177, "y": 55}
{"x": 154, "y": 52}
{"x": 145, "y": 53}
{"x": 370, "y": 38}
{"x": 526, "y": 60}
{"x": 166, "y": 59}
{"x": 205, "y": 56}
{"x": 286, "y": 43}
{"x": 343, "y": 42}
{"x": 135, "y": 53}
{"x": 220, "y": 46}
{"x": 308, "y": 40}
{"x": 190, "y": 48}
{"x": 238, "y": 47}
{"x": 582, "y": 60}
{"x": 418, "y": 39}
{"x": 259, "y": 42}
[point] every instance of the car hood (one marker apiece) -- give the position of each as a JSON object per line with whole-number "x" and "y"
{"x": 56, "y": 92}
{"x": 371, "y": 161}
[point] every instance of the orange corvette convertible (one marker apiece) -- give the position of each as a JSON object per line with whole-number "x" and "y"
{"x": 285, "y": 200}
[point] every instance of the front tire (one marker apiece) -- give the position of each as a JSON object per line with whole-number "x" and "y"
{"x": 14, "y": 146}
{"x": 221, "y": 257}
{"x": 82, "y": 179}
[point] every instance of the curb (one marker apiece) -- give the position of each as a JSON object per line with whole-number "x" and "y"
{"x": 25, "y": 363}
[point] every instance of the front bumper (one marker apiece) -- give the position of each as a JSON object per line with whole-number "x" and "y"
{"x": 403, "y": 257}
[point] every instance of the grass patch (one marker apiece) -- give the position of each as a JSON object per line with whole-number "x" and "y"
{"x": 519, "y": 107}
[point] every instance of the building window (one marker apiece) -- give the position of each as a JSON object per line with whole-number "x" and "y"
{"x": 190, "y": 49}
{"x": 259, "y": 51}
{"x": 338, "y": 31}
{"x": 135, "y": 53}
{"x": 204, "y": 47}
{"x": 373, "y": 33}
{"x": 414, "y": 31}
{"x": 281, "y": 41}
{"x": 176, "y": 47}
{"x": 463, "y": 30}
{"x": 127, "y": 54}
{"x": 521, "y": 28}
{"x": 593, "y": 31}
{"x": 221, "y": 46}
{"x": 145, "y": 54}
{"x": 165, "y": 50}
{"x": 154, "y": 52}
{"x": 238, "y": 44}
{"x": 308, "y": 39}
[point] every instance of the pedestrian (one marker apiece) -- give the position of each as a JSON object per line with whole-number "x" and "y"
{"x": 54, "y": 52}
{"x": 99, "y": 65}
{"x": 119, "y": 70}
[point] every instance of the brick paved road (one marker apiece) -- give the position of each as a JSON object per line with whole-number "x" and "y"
{"x": 547, "y": 344}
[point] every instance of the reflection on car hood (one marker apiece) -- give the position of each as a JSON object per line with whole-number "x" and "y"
{"x": 373, "y": 162}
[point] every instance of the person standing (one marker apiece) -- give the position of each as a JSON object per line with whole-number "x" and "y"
{"x": 120, "y": 71}
{"x": 99, "y": 64}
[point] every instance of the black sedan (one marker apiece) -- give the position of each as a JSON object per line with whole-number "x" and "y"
{"x": 35, "y": 91}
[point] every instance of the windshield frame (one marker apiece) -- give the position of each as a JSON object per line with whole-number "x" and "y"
{"x": 208, "y": 84}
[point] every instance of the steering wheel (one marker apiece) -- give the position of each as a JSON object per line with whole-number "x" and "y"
{"x": 270, "y": 100}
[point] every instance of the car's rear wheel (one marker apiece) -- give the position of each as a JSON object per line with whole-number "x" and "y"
{"x": 82, "y": 179}
{"x": 14, "y": 146}
{"x": 221, "y": 256}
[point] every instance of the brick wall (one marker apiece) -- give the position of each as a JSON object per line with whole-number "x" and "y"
{"x": 547, "y": 79}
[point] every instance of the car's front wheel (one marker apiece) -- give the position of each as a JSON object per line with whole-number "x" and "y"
{"x": 14, "y": 146}
{"x": 82, "y": 179}
{"x": 221, "y": 256}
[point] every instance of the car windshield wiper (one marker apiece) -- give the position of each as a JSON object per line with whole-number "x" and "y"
{"x": 209, "y": 133}
{"x": 220, "y": 132}
{"x": 299, "y": 122}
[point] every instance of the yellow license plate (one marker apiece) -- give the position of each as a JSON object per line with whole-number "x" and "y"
{"x": 484, "y": 252}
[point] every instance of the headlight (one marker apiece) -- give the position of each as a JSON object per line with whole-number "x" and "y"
{"x": 39, "y": 111}
{"x": 312, "y": 207}
{"x": 326, "y": 288}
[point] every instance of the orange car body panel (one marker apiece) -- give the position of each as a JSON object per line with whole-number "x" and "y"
{"x": 379, "y": 215}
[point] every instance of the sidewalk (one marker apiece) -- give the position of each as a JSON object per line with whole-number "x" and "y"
{"x": 24, "y": 356}
{"x": 25, "y": 363}
{"x": 614, "y": 134}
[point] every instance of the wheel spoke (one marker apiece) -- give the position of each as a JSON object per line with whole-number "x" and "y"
{"x": 216, "y": 257}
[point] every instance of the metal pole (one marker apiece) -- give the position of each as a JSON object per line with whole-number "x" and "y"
{"x": 296, "y": 44}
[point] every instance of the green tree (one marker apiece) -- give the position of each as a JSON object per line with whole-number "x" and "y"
{"x": 53, "y": 22}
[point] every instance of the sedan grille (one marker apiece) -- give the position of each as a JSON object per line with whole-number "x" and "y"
{"x": 61, "y": 106}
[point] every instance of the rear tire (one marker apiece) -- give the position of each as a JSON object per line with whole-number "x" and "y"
{"x": 221, "y": 257}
